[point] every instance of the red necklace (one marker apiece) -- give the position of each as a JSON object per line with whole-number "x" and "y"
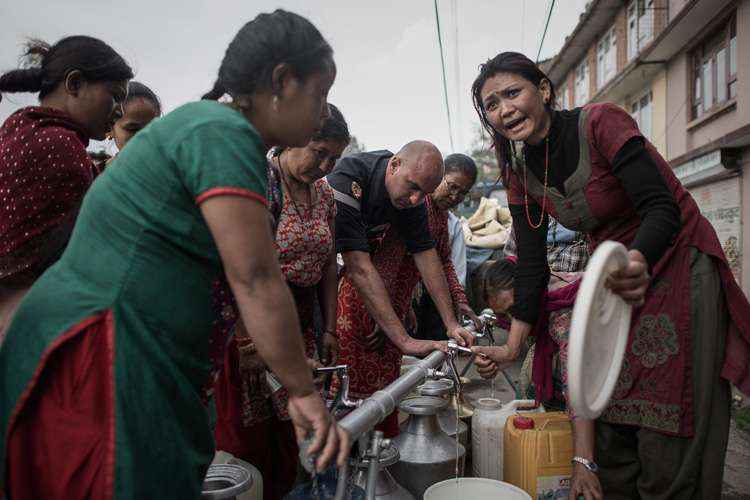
{"x": 544, "y": 194}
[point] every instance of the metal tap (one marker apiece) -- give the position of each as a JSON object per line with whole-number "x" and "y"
{"x": 489, "y": 320}
{"x": 453, "y": 350}
{"x": 341, "y": 400}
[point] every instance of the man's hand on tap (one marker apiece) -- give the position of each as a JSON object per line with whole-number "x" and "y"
{"x": 466, "y": 310}
{"x": 461, "y": 336}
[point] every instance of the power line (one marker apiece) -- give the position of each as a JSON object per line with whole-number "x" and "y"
{"x": 445, "y": 81}
{"x": 523, "y": 26}
{"x": 457, "y": 64}
{"x": 544, "y": 35}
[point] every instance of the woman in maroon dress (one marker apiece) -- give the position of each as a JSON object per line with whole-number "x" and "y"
{"x": 664, "y": 433}
{"x": 44, "y": 168}
{"x": 252, "y": 418}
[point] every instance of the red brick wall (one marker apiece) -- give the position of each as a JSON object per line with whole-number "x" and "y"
{"x": 661, "y": 18}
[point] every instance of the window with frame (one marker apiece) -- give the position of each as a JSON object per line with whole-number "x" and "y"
{"x": 581, "y": 90}
{"x": 714, "y": 68}
{"x": 606, "y": 58}
{"x": 642, "y": 112}
{"x": 640, "y": 25}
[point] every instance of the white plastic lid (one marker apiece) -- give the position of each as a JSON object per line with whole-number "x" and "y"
{"x": 598, "y": 334}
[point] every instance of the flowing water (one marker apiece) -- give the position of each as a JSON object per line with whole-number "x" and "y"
{"x": 458, "y": 419}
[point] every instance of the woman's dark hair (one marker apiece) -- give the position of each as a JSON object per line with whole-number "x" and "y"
{"x": 334, "y": 127}
{"x": 264, "y": 43}
{"x": 137, "y": 90}
{"x": 45, "y": 66}
{"x": 499, "y": 277}
{"x": 506, "y": 62}
{"x": 464, "y": 164}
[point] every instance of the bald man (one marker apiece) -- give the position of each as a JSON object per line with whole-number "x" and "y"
{"x": 383, "y": 232}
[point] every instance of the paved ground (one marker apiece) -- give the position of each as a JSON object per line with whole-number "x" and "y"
{"x": 737, "y": 468}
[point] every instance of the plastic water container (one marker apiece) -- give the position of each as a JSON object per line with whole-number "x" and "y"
{"x": 538, "y": 452}
{"x": 256, "y": 490}
{"x": 474, "y": 488}
{"x": 488, "y": 425}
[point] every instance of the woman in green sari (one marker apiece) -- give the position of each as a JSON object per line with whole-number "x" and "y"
{"x": 102, "y": 369}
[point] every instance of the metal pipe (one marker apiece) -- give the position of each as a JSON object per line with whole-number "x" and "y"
{"x": 374, "y": 466}
{"x": 378, "y": 406}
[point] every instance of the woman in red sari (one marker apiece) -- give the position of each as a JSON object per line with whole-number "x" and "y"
{"x": 664, "y": 433}
{"x": 44, "y": 168}
{"x": 252, "y": 418}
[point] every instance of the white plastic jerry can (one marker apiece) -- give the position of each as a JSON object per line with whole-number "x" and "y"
{"x": 487, "y": 426}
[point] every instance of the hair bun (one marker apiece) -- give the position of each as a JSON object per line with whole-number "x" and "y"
{"x": 22, "y": 80}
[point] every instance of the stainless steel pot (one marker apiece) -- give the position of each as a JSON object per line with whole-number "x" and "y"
{"x": 428, "y": 455}
{"x": 386, "y": 488}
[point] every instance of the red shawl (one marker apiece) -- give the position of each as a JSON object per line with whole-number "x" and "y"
{"x": 44, "y": 173}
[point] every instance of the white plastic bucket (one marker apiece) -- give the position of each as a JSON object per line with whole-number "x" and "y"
{"x": 475, "y": 488}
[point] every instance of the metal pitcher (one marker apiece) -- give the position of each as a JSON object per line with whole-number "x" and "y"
{"x": 386, "y": 488}
{"x": 428, "y": 455}
{"x": 443, "y": 388}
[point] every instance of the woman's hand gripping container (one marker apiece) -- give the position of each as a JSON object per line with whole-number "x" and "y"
{"x": 537, "y": 454}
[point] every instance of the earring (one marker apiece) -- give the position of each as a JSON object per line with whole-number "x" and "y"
{"x": 276, "y": 103}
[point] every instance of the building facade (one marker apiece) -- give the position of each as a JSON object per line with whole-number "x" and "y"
{"x": 680, "y": 68}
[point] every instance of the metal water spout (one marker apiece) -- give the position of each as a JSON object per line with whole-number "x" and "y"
{"x": 341, "y": 401}
{"x": 489, "y": 320}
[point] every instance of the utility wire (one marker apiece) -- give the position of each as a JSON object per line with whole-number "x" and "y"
{"x": 457, "y": 73}
{"x": 445, "y": 81}
{"x": 457, "y": 63}
{"x": 544, "y": 35}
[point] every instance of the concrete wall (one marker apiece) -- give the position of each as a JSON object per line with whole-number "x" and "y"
{"x": 659, "y": 112}
{"x": 745, "y": 193}
{"x": 680, "y": 139}
{"x": 675, "y": 6}
{"x": 592, "y": 70}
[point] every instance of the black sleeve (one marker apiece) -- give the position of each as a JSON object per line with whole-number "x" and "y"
{"x": 532, "y": 271}
{"x": 654, "y": 202}
{"x": 350, "y": 230}
{"x": 413, "y": 226}
{"x": 351, "y": 233}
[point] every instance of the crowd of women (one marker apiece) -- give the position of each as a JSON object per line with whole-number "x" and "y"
{"x": 194, "y": 274}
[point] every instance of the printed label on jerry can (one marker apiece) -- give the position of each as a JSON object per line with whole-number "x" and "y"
{"x": 552, "y": 487}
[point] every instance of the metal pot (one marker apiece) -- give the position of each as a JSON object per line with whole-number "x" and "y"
{"x": 225, "y": 482}
{"x": 443, "y": 388}
{"x": 386, "y": 488}
{"x": 428, "y": 455}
